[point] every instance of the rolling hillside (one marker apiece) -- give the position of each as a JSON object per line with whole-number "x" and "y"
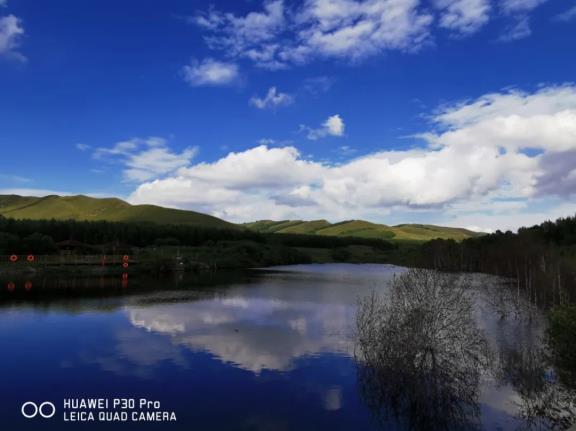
{"x": 116, "y": 210}
{"x": 93, "y": 209}
{"x": 361, "y": 228}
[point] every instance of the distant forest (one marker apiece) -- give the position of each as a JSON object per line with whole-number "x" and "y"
{"x": 540, "y": 259}
{"x": 42, "y": 236}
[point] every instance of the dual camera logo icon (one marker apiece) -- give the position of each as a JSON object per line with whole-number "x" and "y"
{"x": 31, "y": 410}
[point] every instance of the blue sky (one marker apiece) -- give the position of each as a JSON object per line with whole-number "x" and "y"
{"x": 458, "y": 112}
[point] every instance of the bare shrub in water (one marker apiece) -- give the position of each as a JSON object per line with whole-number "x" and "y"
{"x": 420, "y": 352}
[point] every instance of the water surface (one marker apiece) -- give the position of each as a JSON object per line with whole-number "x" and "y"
{"x": 267, "y": 350}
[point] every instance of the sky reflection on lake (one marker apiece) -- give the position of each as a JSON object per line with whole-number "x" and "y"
{"x": 273, "y": 350}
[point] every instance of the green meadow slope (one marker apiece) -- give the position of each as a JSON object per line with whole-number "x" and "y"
{"x": 363, "y": 229}
{"x": 116, "y": 210}
{"x": 95, "y": 209}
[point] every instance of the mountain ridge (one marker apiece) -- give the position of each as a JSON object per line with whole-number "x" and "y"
{"x": 85, "y": 208}
{"x": 81, "y": 207}
{"x": 362, "y": 228}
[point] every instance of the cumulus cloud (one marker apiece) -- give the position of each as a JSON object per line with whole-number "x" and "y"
{"x": 333, "y": 126}
{"x": 512, "y": 121}
{"x": 500, "y": 149}
{"x": 273, "y": 99}
{"x": 145, "y": 159}
{"x": 11, "y": 31}
{"x": 210, "y": 72}
{"x": 259, "y": 167}
{"x": 464, "y": 16}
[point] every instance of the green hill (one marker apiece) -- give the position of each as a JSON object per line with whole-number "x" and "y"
{"x": 363, "y": 229}
{"x": 94, "y": 209}
{"x": 116, "y": 210}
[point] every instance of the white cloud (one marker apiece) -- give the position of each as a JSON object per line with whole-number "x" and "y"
{"x": 83, "y": 147}
{"x": 273, "y": 99}
{"x": 356, "y": 29}
{"x": 251, "y": 36}
{"x": 513, "y": 120}
{"x": 510, "y": 220}
{"x": 519, "y": 29}
{"x": 257, "y": 167}
{"x": 11, "y": 31}
{"x": 567, "y": 16}
{"x": 333, "y": 126}
{"x": 146, "y": 159}
{"x": 3, "y": 3}
{"x": 464, "y": 16}
{"x": 520, "y": 6}
{"x": 210, "y": 72}
{"x": 504, "y": 150}
{"x": 519, "y": 11}
{"x": 281, "y": 34}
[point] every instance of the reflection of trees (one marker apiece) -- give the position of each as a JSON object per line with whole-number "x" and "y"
{"x": 522, "y": 361}
{"x": 542, "y": 401}
{"x": 504, "y": 298}
{"x": 421, "y": 354}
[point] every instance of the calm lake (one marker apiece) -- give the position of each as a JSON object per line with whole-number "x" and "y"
{"x": 259, "y": 350}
